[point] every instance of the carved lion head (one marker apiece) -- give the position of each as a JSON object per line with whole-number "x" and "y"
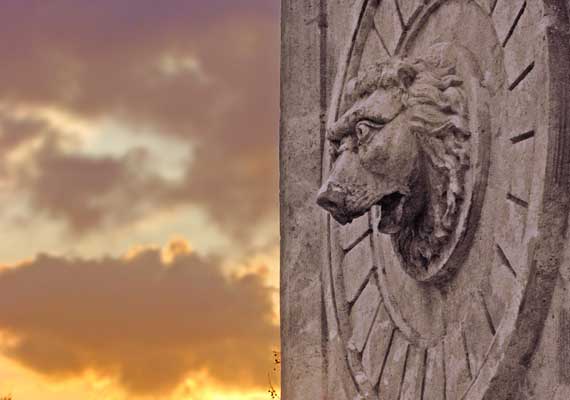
{"x": 402, "y": 144}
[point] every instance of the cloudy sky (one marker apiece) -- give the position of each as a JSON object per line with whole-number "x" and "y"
{"x": 138, "y": 183}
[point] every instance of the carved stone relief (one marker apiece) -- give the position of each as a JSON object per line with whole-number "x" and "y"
{"x": 447, "y": 193}
{"x": 405, "y": 145}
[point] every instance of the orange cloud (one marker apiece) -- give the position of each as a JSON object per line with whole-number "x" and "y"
{"x": 175, "y": 248}
{"x": 148, "y": 327}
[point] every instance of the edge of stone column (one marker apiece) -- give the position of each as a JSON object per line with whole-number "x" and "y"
{"x": 303, "y": 326}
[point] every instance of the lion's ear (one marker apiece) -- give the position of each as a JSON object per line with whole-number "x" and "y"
{"x": 406, "y": 74}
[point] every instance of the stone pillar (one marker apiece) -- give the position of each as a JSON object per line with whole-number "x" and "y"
{"x": 301, "y": 143}
{"x": 425, "y": 191}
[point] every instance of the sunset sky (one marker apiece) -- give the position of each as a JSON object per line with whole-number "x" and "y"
{"x": 138, "y": 177}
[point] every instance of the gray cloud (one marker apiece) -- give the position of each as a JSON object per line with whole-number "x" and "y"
{"x": 103, "y": 60}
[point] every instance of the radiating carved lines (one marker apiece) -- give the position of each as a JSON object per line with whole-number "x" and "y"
{"x": 414, "y": 372}
{"x": 564, "y": 343}
{"x": 424, "y": 375}
{"x": 411, "y": 14}
{"x": 470, "y": 368}
{"x": 363, "y": 320}
{"x": 487, "y": 314}
{"x": 444, "y": 368}
{"x": 334, "y": 282}
{"x": 363, "y": 315}
{"x": 407, "y": 356}
{"x": 435, "y": 386}
{"x": 522, "y": 76}
{"x": 458, "y": 374}
{"x": 504, "y": 260}
{"x": 359, "y": 239}
{"x": 356, "y": 345}
{"x": 561, "y": 155}
{"x": 378, "y": 346}
{"x": 400, "y": 16}
{"x": 390, "y": 382}
{"x": 381, "y": 40}
{"x": 358, "y": 374}
{"x": 521, "y": 137}
{"x": 516, "y": 200}
{"x": 371, "y": 327}
{"x": 388, "y": 349}
{"x": 357, "y": 267}
{"x": 478, "y": 333}
{"x": 406, "y": 14}
{"x": 361, "y": 288}
{"x": 514, "y": 24}
{"x": 342, "y": 315}
{"x": 403, "y": 14}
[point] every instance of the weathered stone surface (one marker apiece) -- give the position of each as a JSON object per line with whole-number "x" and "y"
{"x": 413, "y": 382}
{"x": 562, "y": 392}
{"x": 488, "y": 6}
{"x": 357, "y": 265}
{"x": 457, "y": 370}
{"x": 302, "y": 244}
{"x": 479, "y": 332}
{"x": 374, "y": 51}
{"x": 409, "y": 10}
{"x": 434, "y": 134}
{"x": 434, "y": 388}
{"x": 378, "y": 344}
{"x": 506, "y": 16}
{"x": 519, "y": 43}
{"x": 391, "y": 379}
{"x": 362, "y": 315}
{"x": 387, "y": 26}
{"x": 350, "y": 234}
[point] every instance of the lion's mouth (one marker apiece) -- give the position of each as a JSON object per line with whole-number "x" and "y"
{"x": 391, "y": 208}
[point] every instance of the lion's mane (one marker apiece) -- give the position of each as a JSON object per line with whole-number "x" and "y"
{"x": 436, "y": 111}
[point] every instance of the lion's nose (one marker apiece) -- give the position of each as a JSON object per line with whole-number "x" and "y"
{"x": 332, "y": 198}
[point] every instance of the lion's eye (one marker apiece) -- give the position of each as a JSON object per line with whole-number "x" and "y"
{"x": 365, "y": 130}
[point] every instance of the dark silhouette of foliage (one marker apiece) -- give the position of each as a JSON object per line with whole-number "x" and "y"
{"x": 276, "y": 369}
